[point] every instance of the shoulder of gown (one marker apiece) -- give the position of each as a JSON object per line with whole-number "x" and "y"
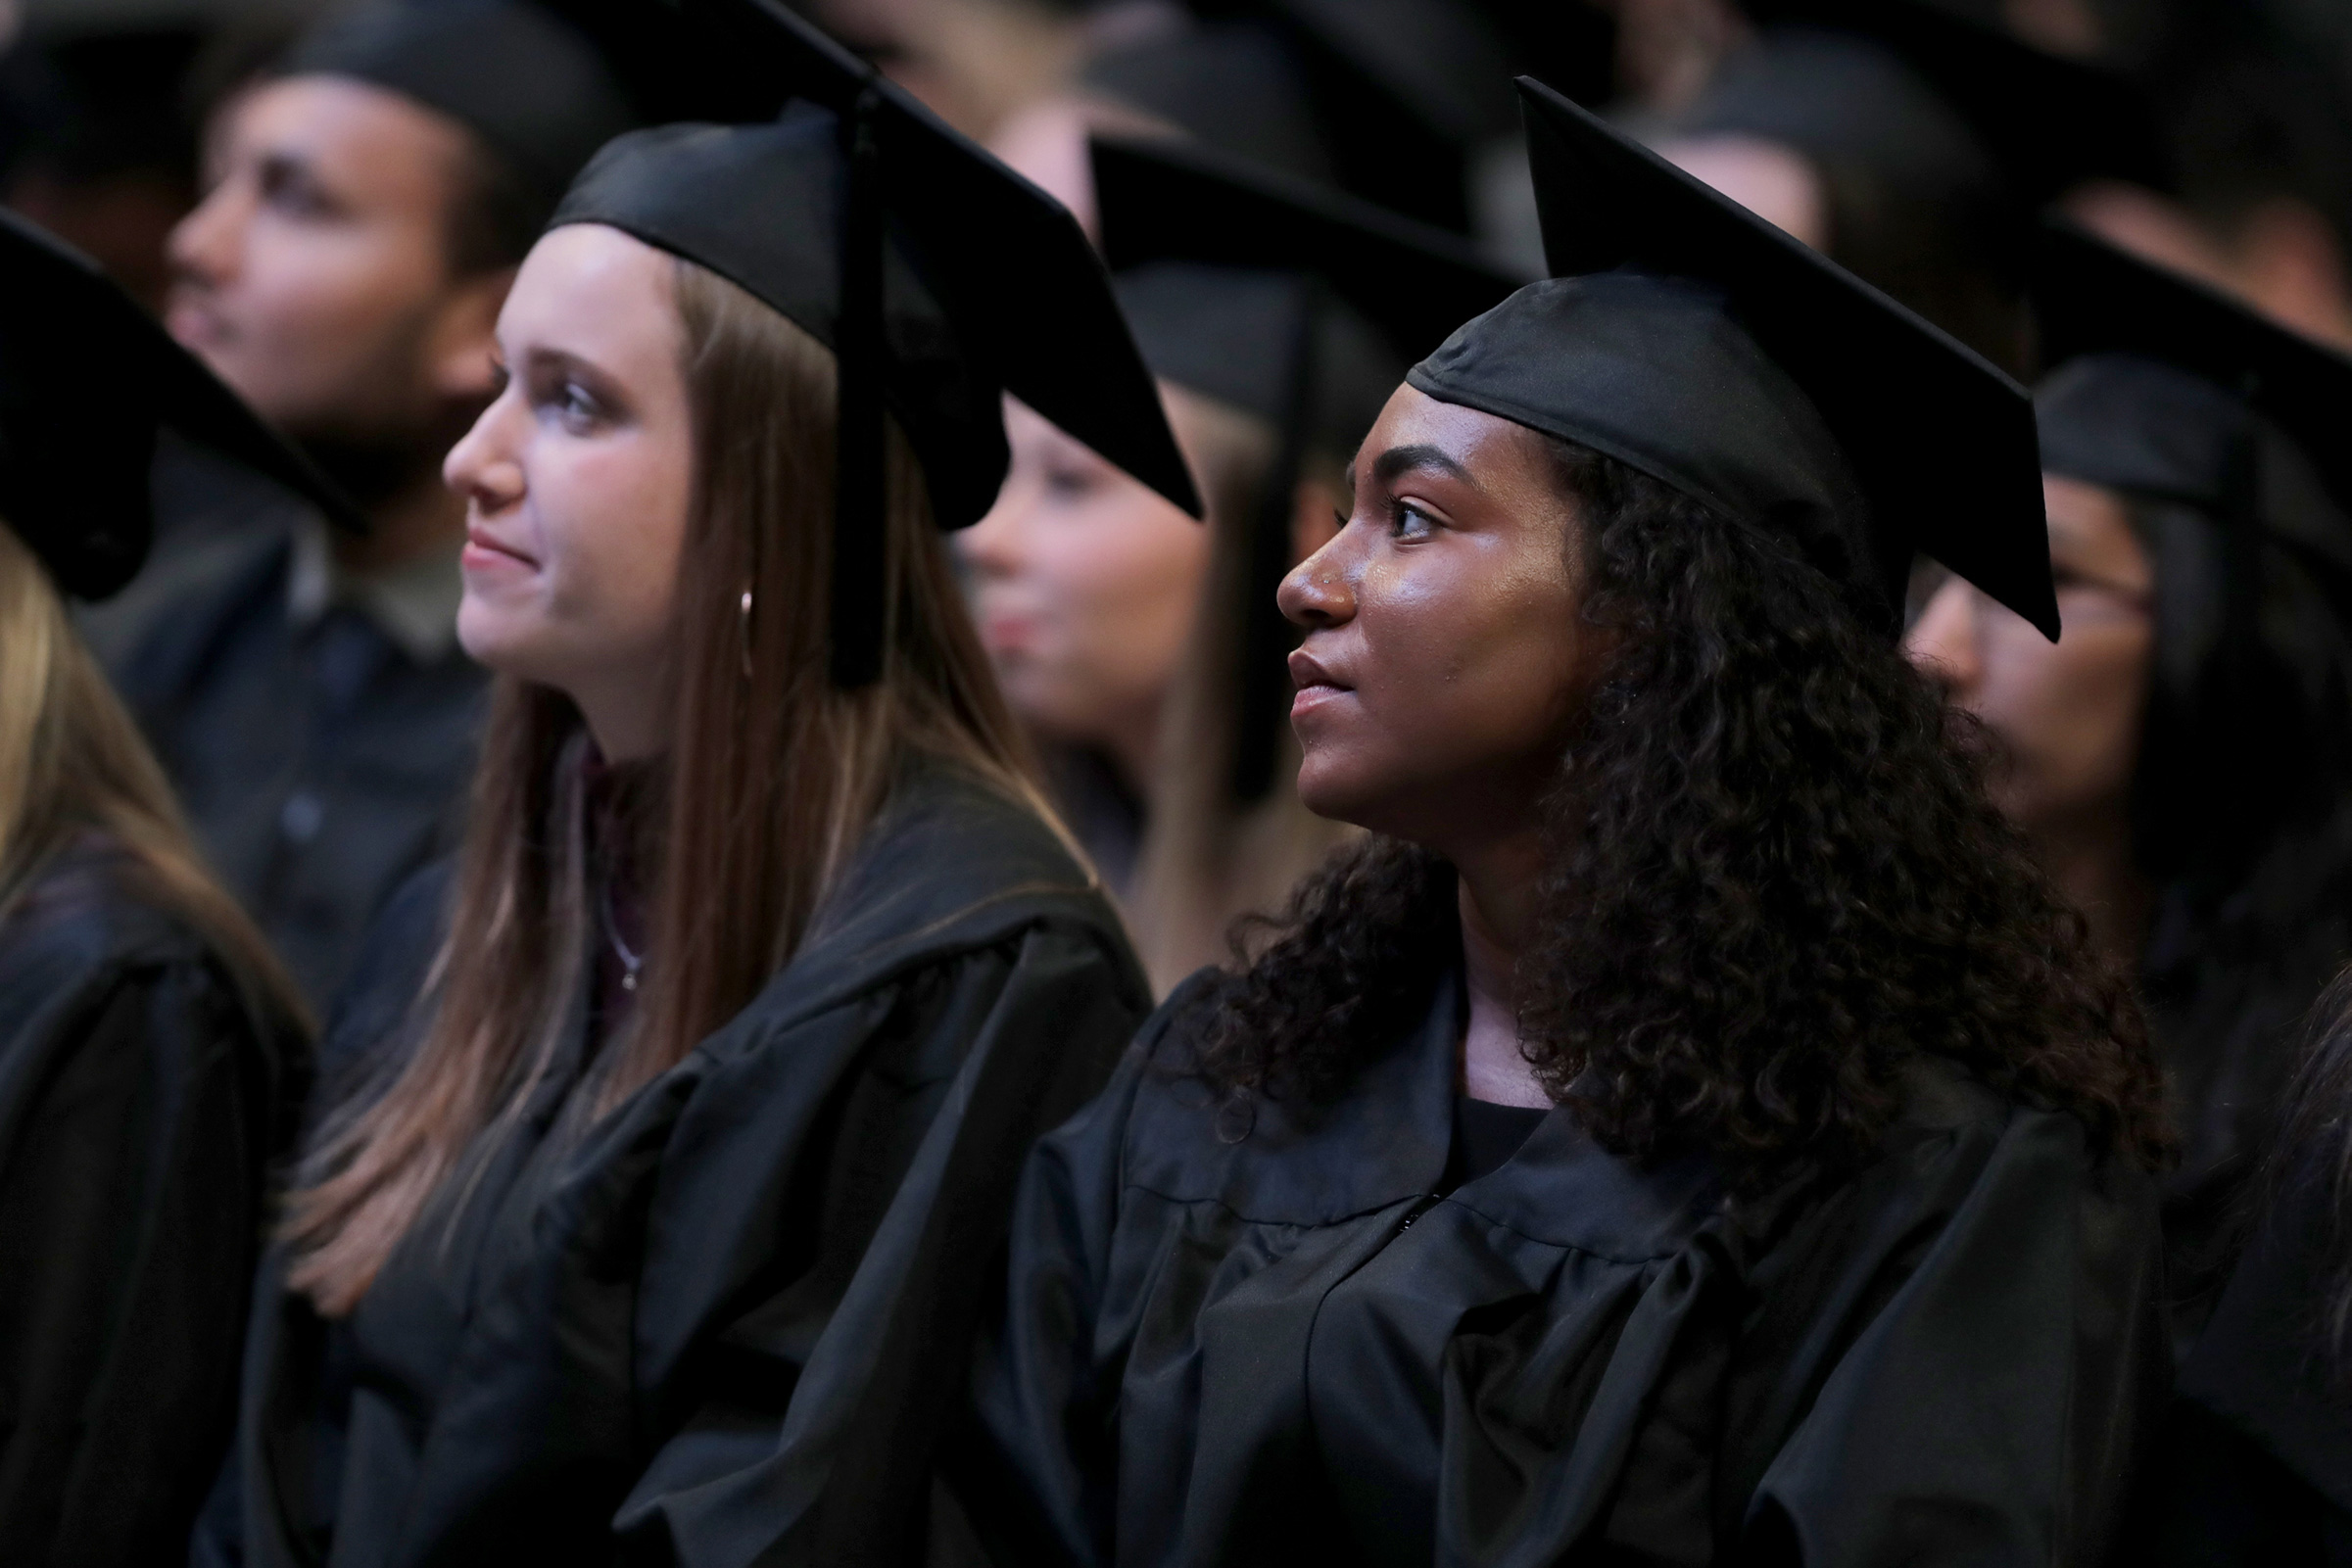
{"x": 143, "y": 1101}
{"x": 1950, "y": 1351}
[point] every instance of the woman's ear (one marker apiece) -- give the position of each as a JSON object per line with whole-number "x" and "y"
{"x": 1314, "y": 513}
{"x": 461, "y": 356}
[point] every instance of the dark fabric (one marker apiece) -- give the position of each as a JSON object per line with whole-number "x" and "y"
{"x": 2255, "y": 1460}
{"x": 516, "y": 75}
{"x": 1765, "y": 379}
{"x": 320, "y": 765}
{"x": 1289, "y": 1349}
{"x": 724, "y": 1321}
{"x": 2125, "y": 316}
{"x": 1486, "y": 1135}
{"x": 1236, "y": 335}
{"x": 141, "y": 1105}
{"x": 87, "y": 380}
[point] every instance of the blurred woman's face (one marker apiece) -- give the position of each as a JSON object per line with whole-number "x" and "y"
{"x": 2067, "y": 714}
{"x": 1772, "y": 180}
{"x": 577, "y": 481}
{"x": 1445, "y": 656}
{"x": 1085, "y": 585}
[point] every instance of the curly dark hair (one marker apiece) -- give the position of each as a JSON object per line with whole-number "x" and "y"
{"x": 1773, "y": 877}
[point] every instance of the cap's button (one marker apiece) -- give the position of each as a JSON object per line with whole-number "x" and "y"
{"x": 300, "y": 819}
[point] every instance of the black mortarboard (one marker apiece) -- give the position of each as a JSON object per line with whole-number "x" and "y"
{"x": 1715, "y": 353}
{"x": 1386, "y": 99}
{"x": 939, "y": 278}
{"x": 2157, "y": 375}
{"x": 533, "y": 86}
{"x": 86, "y": 378}
{"x": 1300, "y": 306}
{"x": 2049, "y": 123}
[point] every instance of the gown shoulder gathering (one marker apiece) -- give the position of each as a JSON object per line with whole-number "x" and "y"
{"x": 143, "y": 1100}
{"x": 1233, "y": 1342}
{"x": 2254, "y": 1464}
{"x": 724, "y": 1323}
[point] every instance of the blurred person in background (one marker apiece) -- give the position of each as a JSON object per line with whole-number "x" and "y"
{"x": 2256, "y": 100}
{"x": 1914, "y": 147}
{"x": 369, "y": 199}
{"x": 2182, "y": 759}
{"x": 98, "y": 139}
{"x": 1145, "y": 655}
{"x": 151, "y": 1051}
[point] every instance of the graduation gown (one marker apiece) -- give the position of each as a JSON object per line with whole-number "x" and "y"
{"x": 2255, "y": 1463}
{"x": 1290, "y": 1348}
{"x": 726, "y": 1321}
{"x": 141, "y": 1105}
{"x": 320, "y": 765}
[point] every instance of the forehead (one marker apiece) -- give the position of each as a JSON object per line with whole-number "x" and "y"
{"x": 2086, "y": 517}
{"x": 345, "y": 128}
{"x": 1495, "y": 451}
{"x": 594, "y": 291}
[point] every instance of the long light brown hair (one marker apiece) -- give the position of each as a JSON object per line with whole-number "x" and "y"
{"x": 75, "y": 772}
{"x": 1209, "y": 858}
{"x": 772, "y": 775}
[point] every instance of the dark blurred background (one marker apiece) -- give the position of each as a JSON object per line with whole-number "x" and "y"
{"x": 1407, "y": 102}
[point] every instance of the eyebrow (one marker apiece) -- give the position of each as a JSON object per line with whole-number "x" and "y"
{"x": 1400, "y": 461}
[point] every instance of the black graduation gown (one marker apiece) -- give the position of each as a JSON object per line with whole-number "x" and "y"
{"x": 728, "y": 1320}
{"x": 2254, "y": 1464}
{"x": 321, "y": 766}
{"x": 1288, "y": 1349}
{"x": 141, "y": 1105}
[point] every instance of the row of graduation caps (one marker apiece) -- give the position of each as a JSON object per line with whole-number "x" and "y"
{"x": 930, "y": 326}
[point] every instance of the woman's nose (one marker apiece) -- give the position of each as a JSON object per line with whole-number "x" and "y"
{"x": 484, "y": 467}
{"x": 202, "y": 248}
{"x": 1318, "y": 592}
{"x": 1942, "y": 641}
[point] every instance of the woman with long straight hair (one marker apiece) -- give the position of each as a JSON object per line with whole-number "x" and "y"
{"x": 1687, "y": 1129}
{"x": 152, "y": 1050}
{"x": 686, "y": 1107}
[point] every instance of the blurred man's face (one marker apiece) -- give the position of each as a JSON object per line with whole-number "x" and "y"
{"x": 315, "y": 275}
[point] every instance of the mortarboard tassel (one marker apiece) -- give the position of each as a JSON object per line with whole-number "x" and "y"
{"x": 859, "y": 608}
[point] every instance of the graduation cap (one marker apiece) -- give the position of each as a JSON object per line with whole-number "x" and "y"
{"x": 1300, "y": 306}
{"x": 545, "y": 83}
{"x": 1386, "y": 99}
{"x": 1690, "y": 339}
{"x": 2155, "y": 375}
{"x": 2049, "y": 123}
{"x": 86, "y": 378}
{"x": 939, "y": 278}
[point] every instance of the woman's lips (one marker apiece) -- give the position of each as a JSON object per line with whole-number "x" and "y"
{"x": 1315, "y": 685}
{"x": 485, "y": 552}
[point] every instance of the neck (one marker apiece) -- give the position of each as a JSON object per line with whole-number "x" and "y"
{"x": 417, "y": 520}
{"x": 1497, "y": 899}
{"x": 2090, "y": 862}
{"x": 1133, "y": 750}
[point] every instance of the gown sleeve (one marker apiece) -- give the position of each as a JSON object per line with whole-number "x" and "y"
{"x": 818, "y": 1330}
{"x": 130, "y": 1219}
{"x": 1990, "y": 1411}
{"x": 1033, "y": 1465}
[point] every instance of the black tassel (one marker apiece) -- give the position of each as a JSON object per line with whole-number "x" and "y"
{"x": 859, "y": 611}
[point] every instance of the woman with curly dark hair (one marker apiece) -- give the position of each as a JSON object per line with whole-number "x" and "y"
{"x": 1687, "y": 1129}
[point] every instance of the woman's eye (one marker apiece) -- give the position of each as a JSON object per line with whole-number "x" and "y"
{"x": 575, "y": 407}
{"x": 1409, "y": 522}
{"x": 499, "y": 378}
